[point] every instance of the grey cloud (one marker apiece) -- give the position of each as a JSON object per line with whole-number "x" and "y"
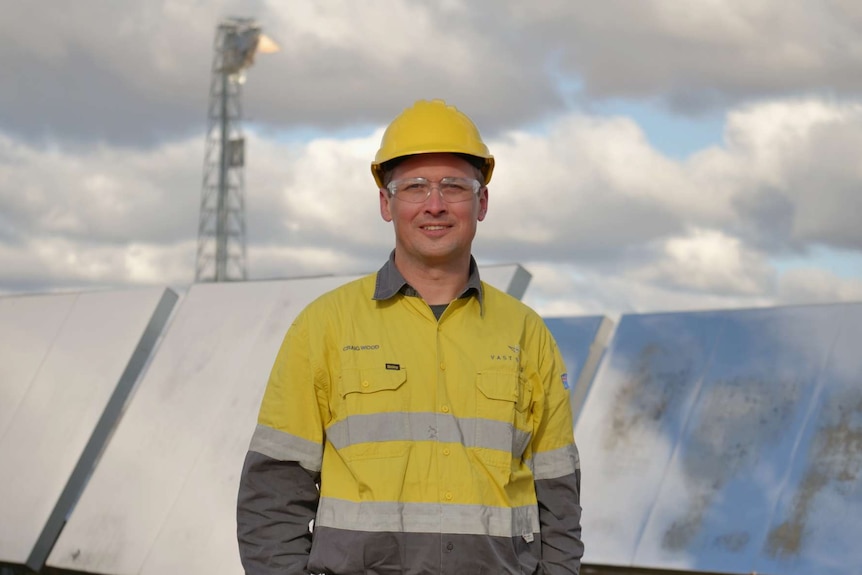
{"x": 136, "y": 73}
{"x": 816, "y": 199}
{"x": 767, "y": 219}
{"x": 603, "y": 232}
{"x": 127, "y": 73}
{"x": 698, "y": 56}
{"x": 279, "y": 262}
{"x": 35, "y": 277}
{"x": 79, "y": 99}
{"x": 810, "y": 285}
{"x": 101, "y": 195}
{"x": 827, "y": 189}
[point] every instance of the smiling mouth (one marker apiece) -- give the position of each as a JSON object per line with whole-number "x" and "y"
{"x": 434, "y": 228}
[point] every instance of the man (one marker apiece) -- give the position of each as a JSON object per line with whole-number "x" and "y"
{"x": 430, "y": 408}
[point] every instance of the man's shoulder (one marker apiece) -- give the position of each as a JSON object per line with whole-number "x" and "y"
{"x": 499, "y": 301}
{"x": 350, "y": 293}
{"x": 508, "y": 312}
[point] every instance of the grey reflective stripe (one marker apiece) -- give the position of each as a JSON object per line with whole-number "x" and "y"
{"x": 424, "y": 426}
{"x": 427, "y": 517}
{"x": 520, "y": 441}
{"x": 556, "y": 463}
{"x": 287, "y": 447}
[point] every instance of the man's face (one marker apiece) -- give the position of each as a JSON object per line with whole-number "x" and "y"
{"x": 433, "y": 233}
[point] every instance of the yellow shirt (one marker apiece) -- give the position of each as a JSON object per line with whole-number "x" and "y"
{"x": 419, "y": 426}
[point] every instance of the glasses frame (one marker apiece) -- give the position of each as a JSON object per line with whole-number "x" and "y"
{"x": 392, "y": 187}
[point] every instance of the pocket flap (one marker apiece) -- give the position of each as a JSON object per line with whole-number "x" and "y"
{"x": 372, "y": 380}
{"x": 499, "y": 385}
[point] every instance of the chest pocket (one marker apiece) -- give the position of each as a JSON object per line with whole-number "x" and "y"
{"x": 373, "y": 390}
{"x": 502, "y": 417}
{"x": 498, "y": 395}
{"x": 375, "y": 419}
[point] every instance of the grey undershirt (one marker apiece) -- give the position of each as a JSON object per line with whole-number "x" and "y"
{"x": 438, "y": 309}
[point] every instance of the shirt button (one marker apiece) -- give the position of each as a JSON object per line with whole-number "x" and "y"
{"x": 445, "y": 409}
{"x": 449, "y": 546}
{"x": 442, "y": 366}
{"x": 446, "y": 451}
{"x": 448, "y": 496}
{"x": 364, "y": 384}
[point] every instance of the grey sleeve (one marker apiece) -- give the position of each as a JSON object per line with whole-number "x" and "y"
{"x": 560, "y": 523}
{"x": 276, "y": 502}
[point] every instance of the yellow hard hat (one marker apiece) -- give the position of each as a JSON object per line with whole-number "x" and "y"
{"x": 428, "y": 127}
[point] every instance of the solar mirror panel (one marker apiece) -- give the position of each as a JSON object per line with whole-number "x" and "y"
{"x": 724, "y": 442}
{"x": 67, "y": 365}
{"x": 582, "y": 341}
{"x": 816, "y": 525}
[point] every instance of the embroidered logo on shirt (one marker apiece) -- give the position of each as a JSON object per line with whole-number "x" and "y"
{"x": 360, "y": 347}
{"x": 514, "y": 356}
{"x": 393, "y": 366}
{"x": 565, "y": 378}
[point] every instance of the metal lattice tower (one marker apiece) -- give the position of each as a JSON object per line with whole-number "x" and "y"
{"x": 221, "y": 251}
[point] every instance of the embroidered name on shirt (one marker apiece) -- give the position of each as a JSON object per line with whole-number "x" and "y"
{"x": 393, "y": 366}
{"x": 359, "y": 347}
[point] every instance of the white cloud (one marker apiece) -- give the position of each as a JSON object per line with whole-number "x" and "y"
{"x": 331, "y": 190}
{"x": 711, "y": 262}
{"x": 590, "y": 184}
{"x": 50, "y": 263}
{"x": 577, "y": 291}
{"x": 770, "y": 136}
{"x": 286, "y": 261}
{"x": 613, "y": 224}
{"x": 789, "y": 172}
{"x": 102, "y": 193}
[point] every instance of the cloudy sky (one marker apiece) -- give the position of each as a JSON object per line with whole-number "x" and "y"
{"x": 652, "y": 154}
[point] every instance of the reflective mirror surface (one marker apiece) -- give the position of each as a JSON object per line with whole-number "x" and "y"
{"x": 728, "y": 441}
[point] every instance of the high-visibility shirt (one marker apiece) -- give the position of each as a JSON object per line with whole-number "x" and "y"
{"x": 440, "y": 446}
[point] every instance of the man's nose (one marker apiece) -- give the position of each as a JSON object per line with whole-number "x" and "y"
{"x": 434, "y": 203}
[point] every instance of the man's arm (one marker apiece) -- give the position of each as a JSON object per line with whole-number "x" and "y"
{"x": 277, "y": 500}
{"x": 278, "y": 493}
{"x": 557, "y": 469}
{"x": 560, "y": 523}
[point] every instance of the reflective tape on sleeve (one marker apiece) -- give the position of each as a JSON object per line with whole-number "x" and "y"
{"x": 556, "y": 463}
{"x": 287, "y": 447}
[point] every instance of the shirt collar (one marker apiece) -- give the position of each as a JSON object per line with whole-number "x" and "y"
{"x": 390, "y": 282}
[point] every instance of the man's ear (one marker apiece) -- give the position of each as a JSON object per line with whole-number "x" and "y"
{"x": 483, "y": 204}
{"x": 385, "y": 212}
